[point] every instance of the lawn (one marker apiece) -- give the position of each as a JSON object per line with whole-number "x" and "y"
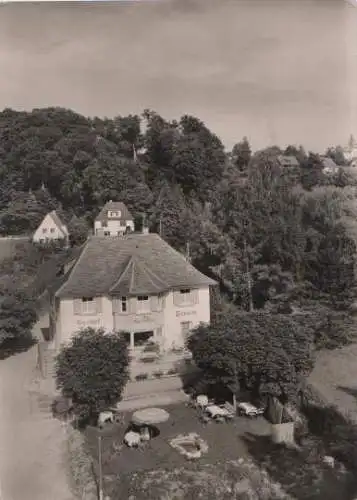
{"x": 240, "y": 453}
{"x": 125, "y": 466}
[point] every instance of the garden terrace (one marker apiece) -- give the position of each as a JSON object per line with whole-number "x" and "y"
{"x": 298, "y": 471}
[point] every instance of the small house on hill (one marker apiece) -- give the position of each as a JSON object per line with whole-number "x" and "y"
{"x": 52, "y": 228}
{"x": 113, "y": 220}
{"x": 288, "y": 161}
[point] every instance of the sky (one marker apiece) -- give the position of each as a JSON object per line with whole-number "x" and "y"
{"x": 277, "y": 71}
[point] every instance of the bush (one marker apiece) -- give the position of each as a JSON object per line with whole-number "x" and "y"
{"x": 172, "y": 371}
{"x": 158, "y": 374}
{"x": 17, "y": 317}
{"x": 141, "y": 376}
{"x": 92, "y": 371}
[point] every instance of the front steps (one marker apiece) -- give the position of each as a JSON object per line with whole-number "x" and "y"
{"x": 144, "y": 401}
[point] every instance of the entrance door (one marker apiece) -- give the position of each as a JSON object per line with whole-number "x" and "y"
{"x": 140, "y": 338}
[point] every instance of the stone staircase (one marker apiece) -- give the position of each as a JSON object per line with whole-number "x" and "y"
{"x": 162, "y": 392}
{"x": 46, "y": 360}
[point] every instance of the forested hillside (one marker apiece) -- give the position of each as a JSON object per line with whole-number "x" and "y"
{"x": 272, "y": 237}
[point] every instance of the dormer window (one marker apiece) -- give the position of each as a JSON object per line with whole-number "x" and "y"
{"x": 112, "y": 213}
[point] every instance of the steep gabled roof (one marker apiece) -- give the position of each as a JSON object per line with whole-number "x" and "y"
{"x": 60, "y": 225}
{"x": 114, "y": 206}
{"x": 131, "y": 264}
{"x": 138, "y": 279}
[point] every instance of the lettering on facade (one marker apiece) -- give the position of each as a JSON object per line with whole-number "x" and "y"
{"x": 185, "y": 313}
{"x": 88, "y": 322}
{"x": 142, "y": 318}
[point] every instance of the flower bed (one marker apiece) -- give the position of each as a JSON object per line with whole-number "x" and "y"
{"x": 190, "y": 445}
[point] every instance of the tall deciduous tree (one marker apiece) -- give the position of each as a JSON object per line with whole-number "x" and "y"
{"x": 265, "y": 354}
{"x": 241, "y": 154}
{"x": 92, "y": 371}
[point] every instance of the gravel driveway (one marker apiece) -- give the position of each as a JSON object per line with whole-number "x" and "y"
{"x": 32, "y": 453}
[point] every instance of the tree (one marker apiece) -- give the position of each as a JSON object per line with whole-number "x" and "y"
{"x": 265, "y": 354}
{"x": 17, "y": 317}
{"x": 78, "y": 230}
{"x": 92, "y": 371}
{"x": 167, "y": 214}
{"x": 337, "y": 155}
{"x": 312, "y": 172}
{"x": 198, "y": 158}
{"x": 241, "y": 154}
{"x": 22, "y": 215}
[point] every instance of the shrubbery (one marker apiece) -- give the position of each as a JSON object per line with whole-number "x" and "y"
{"x": 92, "y": 371}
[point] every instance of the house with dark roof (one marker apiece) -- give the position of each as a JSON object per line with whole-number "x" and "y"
{"x": 113, "y": 220}
{"x": 137, "y": 284}
{"x": 52, "y": 228}
{"x": 288, "y": 161}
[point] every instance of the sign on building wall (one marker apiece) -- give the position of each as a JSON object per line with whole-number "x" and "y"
{"x": 185, "y": 313}
{"x": 142, "y": 318}
{"x": 82, "y": 323}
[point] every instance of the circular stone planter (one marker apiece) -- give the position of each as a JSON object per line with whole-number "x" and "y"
{"x": 190, "y": 446}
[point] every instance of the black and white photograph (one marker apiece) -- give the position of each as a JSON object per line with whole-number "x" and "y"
{"x": 178, "y": 248}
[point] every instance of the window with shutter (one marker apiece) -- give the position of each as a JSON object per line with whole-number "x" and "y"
{"x": 177, "y": 299}
{"x": 161, "y": 301}
{"x": 185, "y": 329}
{"x": 154, "y": 303}
{"x": 132, "y": 305}
{"x": 184, "y": 297}
{"x": 88, "y": 305}
{"x": 77, "y": 306}
{"x": 98, "y": 301}
{"x": 142, "y": 304}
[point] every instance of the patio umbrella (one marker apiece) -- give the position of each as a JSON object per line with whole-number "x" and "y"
{"x": 150, "y": 416}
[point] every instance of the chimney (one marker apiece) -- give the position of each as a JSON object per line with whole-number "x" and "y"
{"x": 188, "y": 255}
{"x": 144, "y": 229}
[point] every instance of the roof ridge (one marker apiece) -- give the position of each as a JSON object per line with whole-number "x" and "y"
{"x": 148, "y": 272}
{"x": 73, "y": 268}
{"x": 122, "y": 274}
{"x": 133, "y": 263}
{"x": 58, "y": 222}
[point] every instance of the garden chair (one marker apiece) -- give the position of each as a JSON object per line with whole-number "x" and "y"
{"x": 205, "y": 419}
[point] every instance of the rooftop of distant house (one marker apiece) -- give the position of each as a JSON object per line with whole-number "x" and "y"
{"x": 328, "y": 163}
{"x": 117, "y": 211}
{"x": 288, "y": 161}
{"x": 129, "y": 265}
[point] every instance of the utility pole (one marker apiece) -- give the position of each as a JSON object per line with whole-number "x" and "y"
{"x": 100, "y": 468}
{"x": 249, "y": 277}
{"x": 160, "y": 227}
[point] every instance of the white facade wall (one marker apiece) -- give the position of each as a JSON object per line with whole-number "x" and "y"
{"x": 113, "y": 227}
{"x": 165, "y": 323}
{"x": 49, "y": 231}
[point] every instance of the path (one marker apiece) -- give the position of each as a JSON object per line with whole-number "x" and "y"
{"x": 32, "y": 442}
